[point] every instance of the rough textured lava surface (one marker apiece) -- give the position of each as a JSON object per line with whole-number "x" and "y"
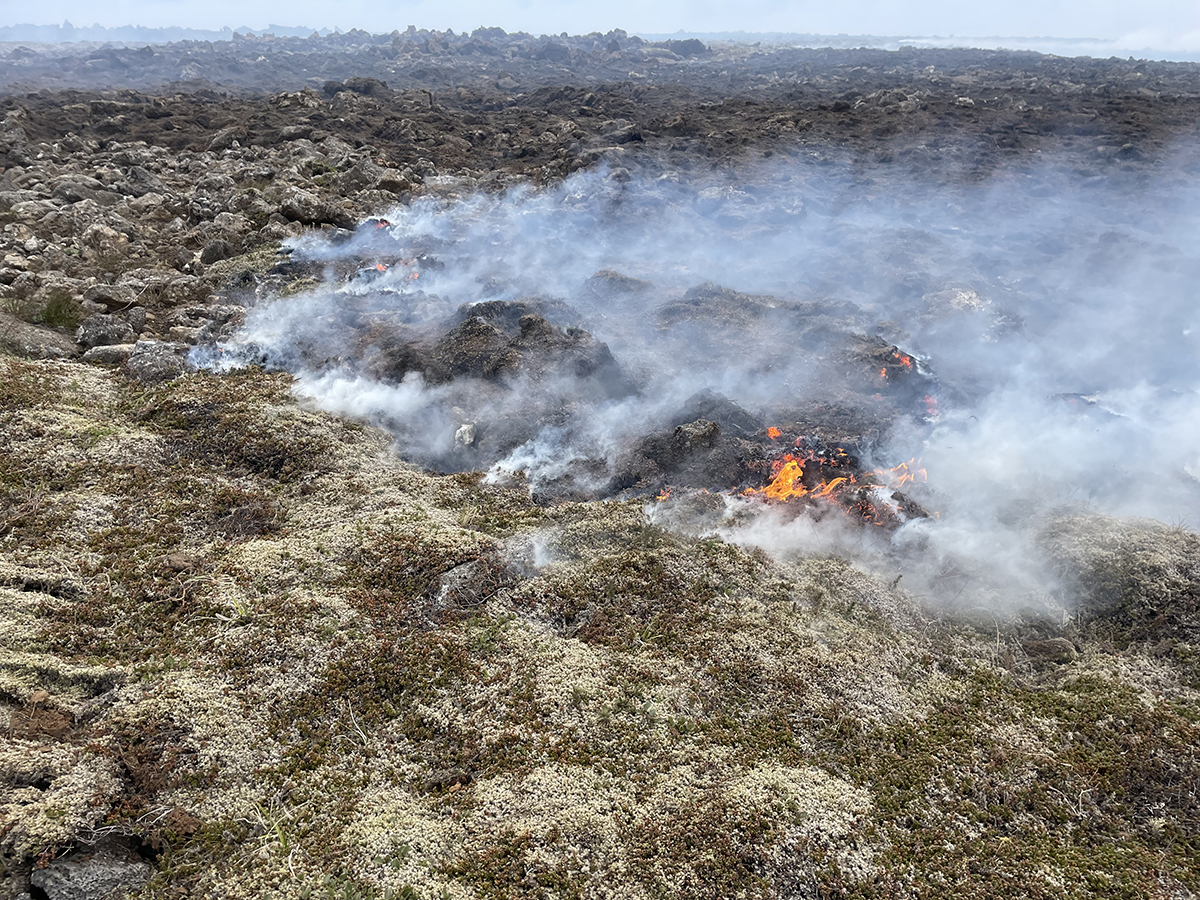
{"x": 482, "y": 465}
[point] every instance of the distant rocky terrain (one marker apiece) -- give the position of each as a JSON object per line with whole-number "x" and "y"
{"x": 250, "y": 650}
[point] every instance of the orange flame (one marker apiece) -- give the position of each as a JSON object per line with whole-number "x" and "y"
{"x": 786, "y": 483}
{"x": 883, "y": 373}
{"x": 414, "y": 276}
{"x": 905, "y": 361}
{"x": 905, "y": 473}
{"x": 829, "y": 488}
{"x": 664, "y": 494}
{"x": 773, "y": 433}
{"x": 380, "y": 267}
{"x": 787, "y": 474}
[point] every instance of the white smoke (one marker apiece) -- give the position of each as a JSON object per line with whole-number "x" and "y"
{"x": 1057, "y": 310}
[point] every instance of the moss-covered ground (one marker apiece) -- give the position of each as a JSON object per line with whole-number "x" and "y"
{"x": 282, "y": 662}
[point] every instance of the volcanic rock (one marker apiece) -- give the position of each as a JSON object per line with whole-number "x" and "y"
{"x": 108, "y": 354}
{"x": 34, "y": 341}
{"x": 309, "y": 209}
{"x": 226, "y": 138}
{"x": 99, "y": 330}
{"x": 712, "y": 407}
{"x": 1052, "y": 651}
{"x": 114, "y": 296}
{"x": 154, "y": 361}
{"x": 217, "y": 250}
{"x": 102, "y": 872}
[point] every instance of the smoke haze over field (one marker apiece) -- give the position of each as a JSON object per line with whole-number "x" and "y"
{"x": 1055, "y": 314}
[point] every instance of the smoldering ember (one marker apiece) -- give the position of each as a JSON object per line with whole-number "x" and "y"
{"x": 491, "y": 466}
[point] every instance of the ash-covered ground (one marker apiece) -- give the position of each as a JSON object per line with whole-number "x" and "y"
{"x": 495, "y": 466}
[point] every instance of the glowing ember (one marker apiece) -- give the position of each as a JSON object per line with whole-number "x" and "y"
{"x": 773, "y": 433}
{"x": 905, "y": 361}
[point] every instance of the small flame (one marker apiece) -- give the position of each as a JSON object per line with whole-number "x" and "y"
{"x": 905, "y": 361}
{"x": 931, "y": 406}
{"x": 380, "y": 267}
{"x": 787, "y": 480}
{"x": 414, "y": 276}
{"x": 883, "y": 373}
{"x": 905, "y": 473}
{"x": 664, "y": 494}
{"x": 829, "y": 488}
{"x": 773, "y": 433}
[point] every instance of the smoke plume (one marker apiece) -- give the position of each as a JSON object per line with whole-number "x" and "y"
{"x": 588, "y": 336}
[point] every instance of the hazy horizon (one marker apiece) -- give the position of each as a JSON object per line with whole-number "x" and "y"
{"x": 1162, "y": 24}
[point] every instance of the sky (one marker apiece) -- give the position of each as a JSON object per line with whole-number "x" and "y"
{"x": 1149, "y": 22}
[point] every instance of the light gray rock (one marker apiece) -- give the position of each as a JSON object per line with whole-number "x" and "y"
{"x": 106, "y": 872}
{"x": 309, "y": 209}
{"x": 34, "y": 341}
{"x": 155, "y": 361}
{"x": 226, "y": 137}
{"x": 109, "y": 354}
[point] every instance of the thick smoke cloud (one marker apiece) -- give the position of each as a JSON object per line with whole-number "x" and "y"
{"x": 1055, "y": 312}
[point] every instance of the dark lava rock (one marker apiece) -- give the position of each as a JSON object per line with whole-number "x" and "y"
{"x": 309, "y": 209}
{"x": 476, "y": 348}
{"x": 34, "y": 341}
{"x": 502, "y": 340}
{"x": 729, "y": 416}
{"x": 217, "y": 250}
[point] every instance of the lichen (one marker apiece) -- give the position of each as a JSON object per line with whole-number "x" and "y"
{"x": 299, "y": 667}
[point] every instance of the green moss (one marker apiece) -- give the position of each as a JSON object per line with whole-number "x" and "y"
{"x": 192, "y": 855}
{"x": 394, "y": 573}
{"x": 371, "y": 684}
{"x": 1134, "y": 582}
{"x": 344, "y": 887}
{"x": 500, "y": 512}
{"x": 1112, "y": 808}
{"x": 25, "y": 385}
{"x": 511, "y": 868}
{"x": 705, "y": 848}
{"x": 62, "y": 310}
{"x": 221, "y": 421}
